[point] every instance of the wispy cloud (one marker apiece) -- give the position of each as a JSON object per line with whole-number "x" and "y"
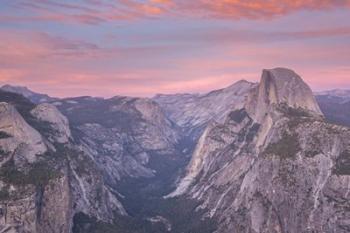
{"x": 65, "y": 67}
{"x": 85, "y": 12}
{"x": 255, "y": 9}
{"x": 97, "y": 11}
{"x": 229, "y": 35}
{"x": 109, "y": 47}
{"x": 21, "y": 47}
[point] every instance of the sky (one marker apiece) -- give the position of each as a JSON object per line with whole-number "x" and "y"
{"x": 143, "y": 47}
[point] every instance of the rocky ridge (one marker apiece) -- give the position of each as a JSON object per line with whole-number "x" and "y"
{"x": 121, "y": 133}
{"x": 83, "y": 164}
{"x": 192, "y": 112}
{"x": 246, "y": 169}
{"x": 25, "y": 92}
{"x": 45, "y": 179}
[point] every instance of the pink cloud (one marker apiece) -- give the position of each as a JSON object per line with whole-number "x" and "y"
{"x": 255, "y": 9}
{"x": 94, "y": 11}
{"x": 69, "y": 67}
{"x": 90, "y": 12}
{"x": 19, "y": 47}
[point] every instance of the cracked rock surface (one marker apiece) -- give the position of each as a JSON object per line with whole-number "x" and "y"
{"x": 273, "y": 166}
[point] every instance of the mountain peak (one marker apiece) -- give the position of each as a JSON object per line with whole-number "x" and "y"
{"x": 281, "y": 86}
{"x": 240, "y": 83}
{"x": 27, "y": 93}
{"x": 17, "y": 89}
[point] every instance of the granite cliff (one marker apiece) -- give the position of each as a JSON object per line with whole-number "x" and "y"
{"x": 275, "y": 165}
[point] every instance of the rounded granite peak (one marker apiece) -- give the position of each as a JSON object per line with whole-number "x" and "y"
{"x": 281, "y": 86}
{"x": 283, "y": 73}
{"x": 284, "y": 78}
{"x": 22, "y": 140}
{"x": 49, "y": 113}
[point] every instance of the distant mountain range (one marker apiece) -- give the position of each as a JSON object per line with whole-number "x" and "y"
{"x": 274, "y": 165}
{"x": 336, "y": 93}
{"x": 335, "y": 105}
{"x": 194, "y": 111}
{"x": 253, "y": 157}
{"x": 31, "y": 95}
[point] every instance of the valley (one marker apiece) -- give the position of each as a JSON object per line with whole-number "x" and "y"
{"x": 183, "y": 163}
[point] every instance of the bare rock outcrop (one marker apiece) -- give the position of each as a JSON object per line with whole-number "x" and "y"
{"x": 121, "y": 133}
{"x": 45, "y": 179}
{"x": 275, "y": 166}
{"x": 193, "y": 112}
{"x": 277, "y": 86}
{"x": 48, "y": 113}
{"x": 18, "y": 137}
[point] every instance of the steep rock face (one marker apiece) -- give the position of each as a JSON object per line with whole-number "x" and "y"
{"x": 90, "y": 194}
{"x": 23, "y": 176}
{"x": 277, "y": 168}
{"x": 44, "y": 182}
{"x": 196, "y": 164}
{"x": 193, "y": 112}
{"x": 121, "y": 133}
{"x": 54, "y": 206}
{"x": 278, "y": 86}
{"x": 134, "y": 145}
{"x": 159, "y": 133}
{"x": 18, "y": 136}
{"x": 49, "y": 113}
